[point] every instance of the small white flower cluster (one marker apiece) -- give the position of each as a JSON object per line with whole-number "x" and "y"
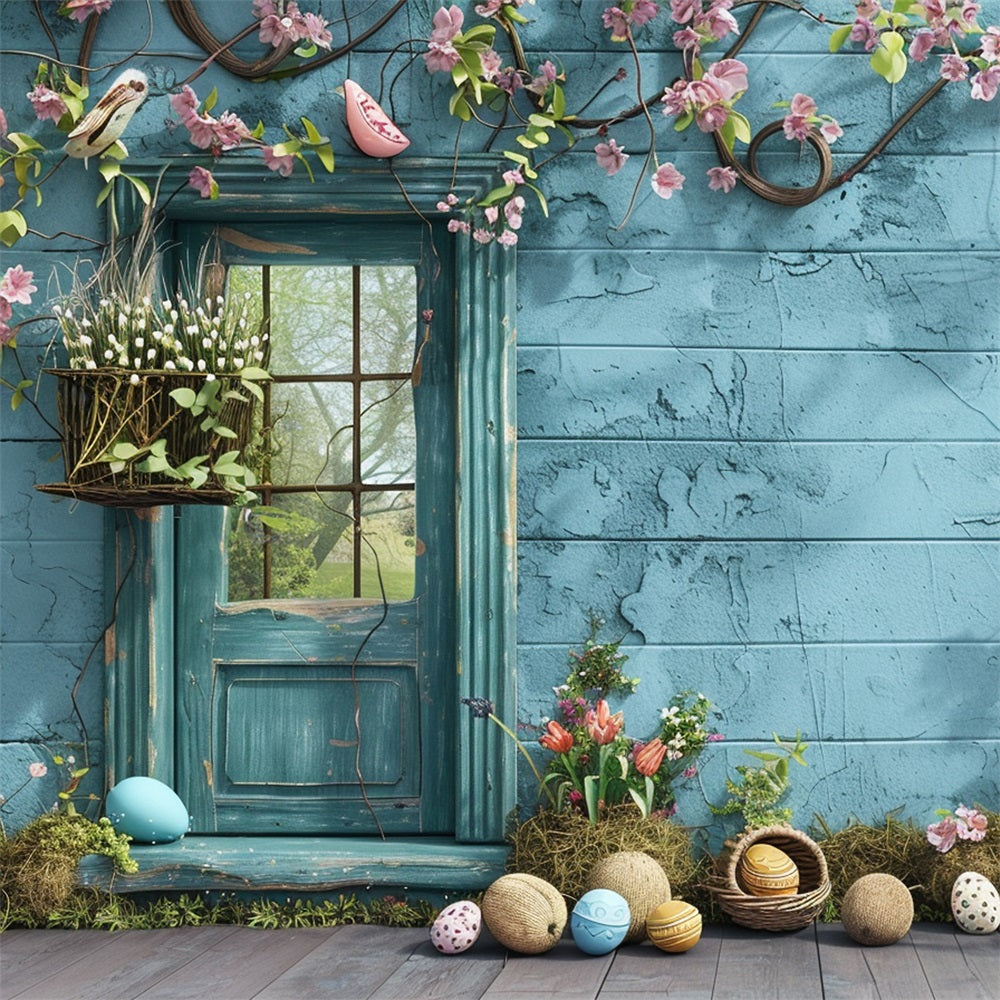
{"x": 214, "y": 336}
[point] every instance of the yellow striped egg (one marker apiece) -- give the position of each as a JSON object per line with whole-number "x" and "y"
{"x": 763, "y": 870}
{"x": 674, "y": 926}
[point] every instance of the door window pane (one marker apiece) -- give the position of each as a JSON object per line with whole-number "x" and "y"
{"x": 340, "y": 458}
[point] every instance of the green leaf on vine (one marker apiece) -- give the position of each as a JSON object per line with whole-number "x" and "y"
{"x": 889, "y": 59}
{"x": 840, "y": 36}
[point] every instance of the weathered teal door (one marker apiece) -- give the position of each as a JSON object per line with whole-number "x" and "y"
{"x": 330, "y": 711}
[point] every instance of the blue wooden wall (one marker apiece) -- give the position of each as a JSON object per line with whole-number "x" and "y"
{"x": 765, "y": 442}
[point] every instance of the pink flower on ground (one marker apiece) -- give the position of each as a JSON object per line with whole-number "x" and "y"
{"x": 721, "y": 179}
{"x": 37, "y": 769}
{"x": 971, "y": 823}
{"x": 942, "y": 835}
{"x": 80, "y": 10}
{"x": 610, "y": 156}
{"x": 283, "y": 164}
{"x": 203, "y": 182}
{"x": 47, "y": 104}
{"x": 667, "y": 180}
{"x": 16, "y": 286}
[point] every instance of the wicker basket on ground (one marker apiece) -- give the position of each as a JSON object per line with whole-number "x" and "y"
{"x": 773, "y": 913}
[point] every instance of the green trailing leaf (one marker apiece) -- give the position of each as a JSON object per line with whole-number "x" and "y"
{"x": 142, "y": 188}
{"x": 324, "y": 153}
{"x": 497, "y": 194}
{"x": 224, "y": 432}
{"x": 210, "y": 101}
{"x": 682, "y": 121}
{"x": 839, "y": 37}
{"x": 18, "y": 397}
{"x": 541, "y": 199}
{"x": 889, "y": 59}
{"x": 254, "y": 374}
{"x": 741, "y": 127}
{"x": 13, "y": 226}
{"x": 184, "y": 396}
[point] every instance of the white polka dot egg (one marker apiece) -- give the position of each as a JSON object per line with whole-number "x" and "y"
{"x": 456, "y": 927}
{"x": 975, "y": 903}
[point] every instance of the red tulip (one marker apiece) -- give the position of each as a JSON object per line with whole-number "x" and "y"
{"x": 557, "y": 739}
{"x": 648, "y": 759}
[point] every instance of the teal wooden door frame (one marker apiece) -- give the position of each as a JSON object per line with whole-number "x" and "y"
{"x": 141, "y": 670}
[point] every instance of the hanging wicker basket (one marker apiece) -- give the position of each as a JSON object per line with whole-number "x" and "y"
{"x": 100, "y": 407}
{"x": 773, "y": 913}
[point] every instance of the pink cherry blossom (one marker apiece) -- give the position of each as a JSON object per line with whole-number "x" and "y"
{"x": 730, "y": 76}
{"x": 492, "y": 213}
{"x": 440, "y": 57}
{"x": 942, "y": 835}
{"x": 37, "y": 769}
{"x": 481, "y": 235}
{"x": 458, "y": 226}
{"x": 512, "y": 211}
{"x": 80, "y": 10}
{"x": 283, "y": 164}
{"x": 507, "y": 238}
{"x": 610, "y": 156}
{"x": 47, "y": 103}
{"x": 16, "y": 286}
{"x": 990, "y": 43}
{"x": 687, "y": 39}
{"x": 447, "y": 23}
{"x": 831, "y": 131}
{"x": 721, "y": 179}
{"x": 206, "y": 132}
{"x": 513, "y": 176}
{"x": 3, "y": 125}
{"x": 923, "y": 41}
{"x": 683, "y": 11}
{"x": 203, "y": 182}
{"x": 985, "y": 83}
{"x": 617, "y": 20}
{"x": 667, "y": 180}
{"x": 954, "y": 68}
{"x": 865, "y": 31}
{"x": 643, "y": 11}
{"x": 868, "y": 8}
{"x": 491, "y": 63}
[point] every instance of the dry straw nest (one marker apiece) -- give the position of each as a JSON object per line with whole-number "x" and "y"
{"x": 563, "y": 848}
{"x": 901, "y": 849}
{"x": 773, "y": 913}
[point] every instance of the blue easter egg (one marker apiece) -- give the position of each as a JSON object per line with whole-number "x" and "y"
{"x": 147, "y": 810}
{"x": 600, "y": 921}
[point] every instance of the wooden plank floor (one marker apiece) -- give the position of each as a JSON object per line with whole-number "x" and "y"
{"x": 381, "y": 963}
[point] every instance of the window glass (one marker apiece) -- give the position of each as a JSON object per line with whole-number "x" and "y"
{"x": 338, "y": 490}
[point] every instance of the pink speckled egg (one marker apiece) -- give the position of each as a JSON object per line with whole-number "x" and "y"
{"x": 456, "y": 927}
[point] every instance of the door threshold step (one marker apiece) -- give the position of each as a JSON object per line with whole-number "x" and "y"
{"x": 302, "y": 864}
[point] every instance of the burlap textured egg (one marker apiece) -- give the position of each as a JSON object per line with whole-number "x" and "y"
{"x": 764, "y": 870}
{"x": 674, "y": 926}
{"x": 877, "y": 909}
{"x": 524, "y": 913}
{"x": 639, "y": 878}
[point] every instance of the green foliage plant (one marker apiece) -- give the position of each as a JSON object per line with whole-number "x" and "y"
{"x": 756, "y": 794}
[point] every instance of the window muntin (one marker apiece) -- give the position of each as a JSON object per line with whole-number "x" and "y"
{"x": 339, "y": 469}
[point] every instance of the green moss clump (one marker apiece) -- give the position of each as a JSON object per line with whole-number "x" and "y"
{"x": 38, "y": 865}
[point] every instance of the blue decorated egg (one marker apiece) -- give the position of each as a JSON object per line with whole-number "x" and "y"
{"x": 147, "y": 810}
{"x": 600, "y": 921}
